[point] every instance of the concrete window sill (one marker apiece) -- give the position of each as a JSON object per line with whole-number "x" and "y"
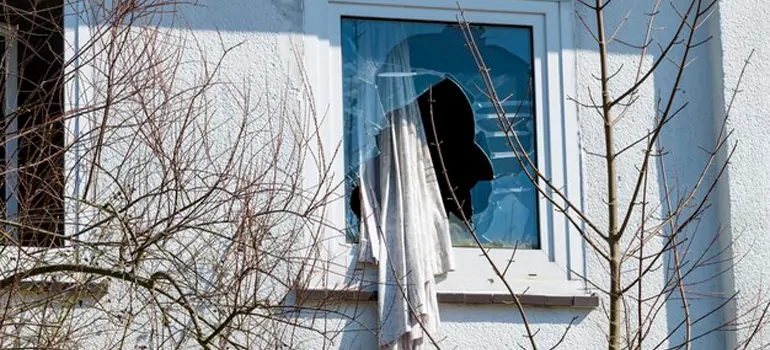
{"x": 529, "y": 300}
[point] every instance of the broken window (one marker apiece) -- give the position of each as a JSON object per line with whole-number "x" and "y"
{"x": 425, "y": 67}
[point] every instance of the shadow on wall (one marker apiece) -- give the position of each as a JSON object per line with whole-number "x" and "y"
{"x": 685, "y": 140}
{"x": 287, "y": 16}
{"x": 708, "y": 285}
{"x": 266, "y": 16}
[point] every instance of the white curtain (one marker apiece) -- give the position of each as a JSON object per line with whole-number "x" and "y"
{"x": 404, "y": 228}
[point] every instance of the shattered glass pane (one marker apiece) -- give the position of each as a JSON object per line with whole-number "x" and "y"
{"x": 502, "y": 205}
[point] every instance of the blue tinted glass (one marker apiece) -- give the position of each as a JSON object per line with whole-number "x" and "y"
{"x": 504, "y": 205}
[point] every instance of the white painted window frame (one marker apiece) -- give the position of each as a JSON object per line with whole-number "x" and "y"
{"x": 557, "y": 267}
{"x": 11, "y": 78}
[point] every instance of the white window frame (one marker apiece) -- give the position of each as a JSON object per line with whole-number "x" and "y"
{"x": 9, "y": 33}
{"x": 555, "y": 269}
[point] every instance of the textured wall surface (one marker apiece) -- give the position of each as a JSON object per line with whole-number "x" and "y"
{"x": 495, "y": 327}
{"x": 743, "y": 27}
{"x": 269, "y": 34}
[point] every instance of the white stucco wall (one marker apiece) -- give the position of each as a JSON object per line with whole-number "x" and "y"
{"x": 269, "y": 36}
{"x": 497, "y": 327}
{"x": 743, "y": 28}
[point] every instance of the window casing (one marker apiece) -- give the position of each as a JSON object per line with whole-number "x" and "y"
{"x": 555, "y": 267}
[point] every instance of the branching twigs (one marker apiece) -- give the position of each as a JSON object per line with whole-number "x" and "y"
{"x": 477, "y": 241}
{"x": 171, "y": 184}
{"x": 197, "y": 210}
{"x": 667, "y": 220}
{"x": 541, "y": 183}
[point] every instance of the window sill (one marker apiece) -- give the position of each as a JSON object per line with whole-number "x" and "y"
{"x": 91, "y": 289}
{"x": 88, "y": 293}
{"x": 528, "y": 300}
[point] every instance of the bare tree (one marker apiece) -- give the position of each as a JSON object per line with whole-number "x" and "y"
{"x": 652, "y": 225}
{"x": 194, "y": 215}
{"x": 197, "y": 217}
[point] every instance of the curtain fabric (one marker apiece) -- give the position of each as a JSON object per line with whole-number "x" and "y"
{"x": 404, "y": 228}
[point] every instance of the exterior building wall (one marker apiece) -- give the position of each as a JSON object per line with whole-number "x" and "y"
{"x": 741, "y": 27}
{"x": 269, "y": 38}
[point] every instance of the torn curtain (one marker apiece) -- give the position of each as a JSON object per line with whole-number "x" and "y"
{"x": 404, "y": 227}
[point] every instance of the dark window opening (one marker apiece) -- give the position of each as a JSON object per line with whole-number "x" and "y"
{"x": 459, "y": 162}
{"x": 33, "y": 130}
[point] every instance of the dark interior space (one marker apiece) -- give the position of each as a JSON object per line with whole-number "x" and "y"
{"x": 449, "y": 125}
{"x": 39, "y": 29}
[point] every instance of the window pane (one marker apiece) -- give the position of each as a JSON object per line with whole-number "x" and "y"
{"x": 480, "y": 164}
